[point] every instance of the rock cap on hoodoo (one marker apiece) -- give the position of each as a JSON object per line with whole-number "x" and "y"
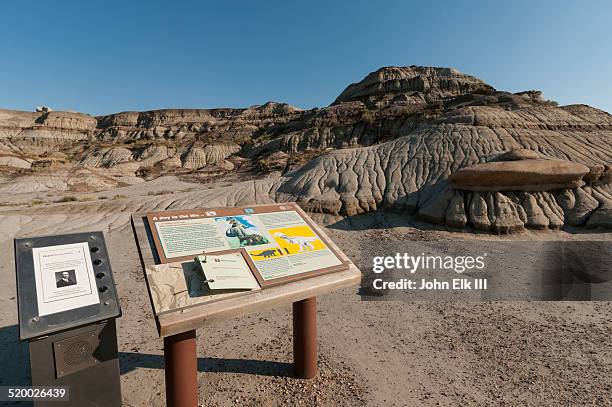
{"x": 520, "y": 170}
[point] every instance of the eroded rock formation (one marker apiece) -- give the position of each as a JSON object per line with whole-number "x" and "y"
{"x": 432, "y": 142}
{"x": 521, "y": 170}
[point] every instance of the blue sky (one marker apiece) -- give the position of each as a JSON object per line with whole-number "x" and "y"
{"x": 103, "y": 57}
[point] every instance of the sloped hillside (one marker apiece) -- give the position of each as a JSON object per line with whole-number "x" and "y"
{"x": 432, "y": 142}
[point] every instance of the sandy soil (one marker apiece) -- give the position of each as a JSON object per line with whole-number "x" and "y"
{"x": 371, "y": 353}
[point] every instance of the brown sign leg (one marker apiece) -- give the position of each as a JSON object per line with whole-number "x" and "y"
{"x": 305, "y": 338}
{"x": 180, "y": 355}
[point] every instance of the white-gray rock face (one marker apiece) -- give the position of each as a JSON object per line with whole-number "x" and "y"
{"x": 106, "y": 157}
{"x": 410, "y": 174}
{"x": 198, "y": 157}
{"x": 432, "y": 142}
{"x": 14, "y": 162}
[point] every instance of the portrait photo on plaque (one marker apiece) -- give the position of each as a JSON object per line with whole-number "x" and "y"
{"x": 65, "y": 278}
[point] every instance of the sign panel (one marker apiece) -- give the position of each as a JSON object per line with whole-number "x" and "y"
{"x": 180, "y": 238}
{"x": 280, "y": 241}
{"x": 294, "y": 248}
{"x": 227, "y": 272}
{"x": 63, "y": 282}
{"x": 64, "y": 278}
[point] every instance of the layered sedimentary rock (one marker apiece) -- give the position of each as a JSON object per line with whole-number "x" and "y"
{"x": 415, "y": 84}
{"x": 14, "y": 162}
{"x": 210, "y": 154}
{"x": 432, "y": 142}
{"x": 26, "y": 133}
{"x": 521, "y": 170}
{"x": 534, "y": 160}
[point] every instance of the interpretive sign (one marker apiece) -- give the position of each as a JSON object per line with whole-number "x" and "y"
{"x": 64, "y": 278}
{"x": 289, "y": 256}
{"x": 279, "y": 240}
{"x": 183, "y": 300}
{"x": 63, "y": 282}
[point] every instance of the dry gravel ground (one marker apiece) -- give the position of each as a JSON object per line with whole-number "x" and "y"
{"x": 371, "y": 353}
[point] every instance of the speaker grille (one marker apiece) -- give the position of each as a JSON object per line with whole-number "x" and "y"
{"x": 76, "y": 353}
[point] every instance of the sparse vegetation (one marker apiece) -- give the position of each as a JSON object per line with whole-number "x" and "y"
{"x": 264, "y": 166}
{"x": 300, "y": 159}
{"x": 484, "y": 90}
{"x": 162, "y": 192}
{"x": 407, "y": 111}
{"x": 119, "y": 197}
{"x": 68, "y": 198}
{"x": 243, "y": 139}
{"x": 367, "y": 117}
{"x": 35, "y": 202}
{"x": 264, "y": 137}
{"x": 102, "y": 197}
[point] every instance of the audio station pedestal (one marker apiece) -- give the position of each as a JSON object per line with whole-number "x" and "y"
{"x": 67, "y": 309}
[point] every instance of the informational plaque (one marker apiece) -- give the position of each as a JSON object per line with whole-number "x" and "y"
{"x": 64, "y": 278}
{"x": 63, "y": 282}
{"x": 279, "y": 240}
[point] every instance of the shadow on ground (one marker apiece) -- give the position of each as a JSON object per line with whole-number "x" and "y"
{"x": 15, "y": 362}
{"x": 129, "y": 361}
{"x": 387, "y": 219}
{"x": 14, "y": 358}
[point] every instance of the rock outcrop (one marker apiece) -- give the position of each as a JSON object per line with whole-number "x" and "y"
{"x": 522, "y": 170}
{"x": 415, "y": 84}
{"x": 211, "y": 154}
{"x": 14, "y": 162}
{"x": 27, "y": 134}
{"x": 432, "y": 142}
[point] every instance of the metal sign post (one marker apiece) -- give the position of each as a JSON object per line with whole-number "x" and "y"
{"x": 305, "y": 338}
{"x": 181, "y": 360}
{"x": 67, "y": 309}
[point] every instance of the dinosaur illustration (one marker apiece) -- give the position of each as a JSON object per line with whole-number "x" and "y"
{"x": 305, "y": 242}
{"x": 266, "y": 253}
{"x": 246, "y": 239}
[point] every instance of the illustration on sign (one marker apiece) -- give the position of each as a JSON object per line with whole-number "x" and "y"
{"x": 240, "y": 231}
{"x": 297, "y": 239}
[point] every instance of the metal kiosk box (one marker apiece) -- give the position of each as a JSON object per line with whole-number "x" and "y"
{"x": 71, "y": 344}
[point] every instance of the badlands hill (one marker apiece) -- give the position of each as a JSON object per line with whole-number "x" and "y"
{"x": 430, "y": 142}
